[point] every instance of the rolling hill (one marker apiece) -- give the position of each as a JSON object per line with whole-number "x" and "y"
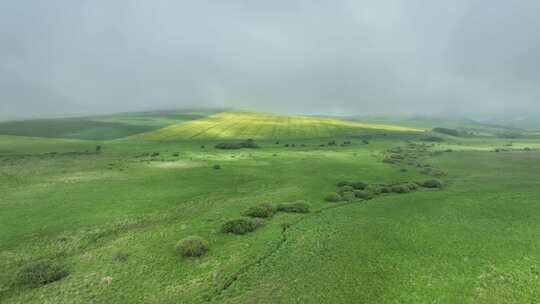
{"x": 99, "y": 127}
{"x": 243, "y": 125}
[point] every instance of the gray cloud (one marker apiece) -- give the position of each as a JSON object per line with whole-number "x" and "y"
{"x": 342, "y": 57}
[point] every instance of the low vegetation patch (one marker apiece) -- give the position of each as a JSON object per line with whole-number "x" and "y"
{"x": 249, "y": 144}
{"x": 348, "y": 196}
{"x": 447, "y": 131}
{"x": 363, "y": 194}
{"x": 262, "y": 211}
{"x": 332, "y": 197}
{"x": 192, "y": 246}
{"x": 400, "y": 189}
{"x": 296, "y": 207}
{"x": 432, "y": 183}
{"x": 40, "y": 273}
{"x": 242, "y": 225}
{"x": 345, "y": 189}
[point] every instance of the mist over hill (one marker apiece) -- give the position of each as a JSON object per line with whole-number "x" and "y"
{"x": 311, "y": 57}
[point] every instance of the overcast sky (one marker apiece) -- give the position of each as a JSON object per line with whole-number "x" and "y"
{"x": 335, "y": 57}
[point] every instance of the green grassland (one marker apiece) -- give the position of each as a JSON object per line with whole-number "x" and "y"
{"x": 113, "y": 218}
{"x": 461, "y": 124}
{"x": 99, "y": 127}
{"x": 243, "y": 125}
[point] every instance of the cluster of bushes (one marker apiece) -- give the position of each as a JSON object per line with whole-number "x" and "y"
{"x": 351, "y": 191}
{"x": 192, "y": 246}
{"x": 249, "y": 144}
{"x": 253, "y": 219}
{"x": 447, "y": 131}
{"x": 293, "y": 145}
{"x": 510, "y": 149}
{"x": 255, "y": 215}
{"x": 242, "y": 225}
{"x": 40, "y": 273}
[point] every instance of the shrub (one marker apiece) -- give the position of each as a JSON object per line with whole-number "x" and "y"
{"x": 359, "y": 185}
{"x": 348, "y": 196}
{"x": 296, "y": 207}
{"x": 40, "y": 273}
{"x": 447, "y": 131}
{"x": 345, "y": 189}
{"x": 242, "y": 225}
{"x": 365, "y": 141}
{"x": 400, "y": 189}
{"x": 120, "y": 256}
{"x": 217, "y": 167}
{"x": 176, "y": 154}
{"x": 332, "y": 197}
{"x": 344, "y": 183}
{"x": 373, "y": 189}
{"x": 262, "y": 210}
{"x": 432, "y": 183}
{"x": 332, "y": 143}
{"x": 363, "y": 194}
{"x": 250, "y": 144}
{"x": 192, "y": 246}
{"x": 411, "y": 186}
{"x": 385, "y": 189}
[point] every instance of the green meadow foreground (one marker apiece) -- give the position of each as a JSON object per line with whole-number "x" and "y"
{"x": 111, "y": 219}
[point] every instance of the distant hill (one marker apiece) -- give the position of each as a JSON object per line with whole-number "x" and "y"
{"x": 243, "y": 125}
{"x": 460, "y": 124}
{"x": 99, "y": 127}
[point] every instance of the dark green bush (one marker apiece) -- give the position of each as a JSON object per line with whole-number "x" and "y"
{"x": 348, "y": 196}
{"x": 120, "y": 256}
{"x": 411, "y": 186}
{"x": 192, "y": 246}
{"x": 250, "y": 144}
{"x": 373, "y": 189}
{"x": 332, "y": 197}
{"x": 400, "y": 189}
{"x": 432, "y": 183}
{"x": 447, "y": 131}
{"x": 296, "y": 207}
{"x": 345, "y": 189}
{"x": 363, "y": 194}
{"x": 344, "y": 183}
{"x": 217, "y": 167}
{"x": 359, "y": 185}
{"x": 242, "y": 225}
{"x": 386, "y": 189}
{"x": 262, "y": 211}
{"x": 40, "y": 273}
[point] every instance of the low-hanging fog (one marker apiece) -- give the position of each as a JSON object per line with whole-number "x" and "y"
{"x": 464, "y": 57}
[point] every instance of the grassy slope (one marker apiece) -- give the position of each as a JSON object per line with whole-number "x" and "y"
{"x": 432, "y": 122}
{"x": 473, "y": 242}
{"x": 98, "y": 127}
{"x": 243, "y": 125}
